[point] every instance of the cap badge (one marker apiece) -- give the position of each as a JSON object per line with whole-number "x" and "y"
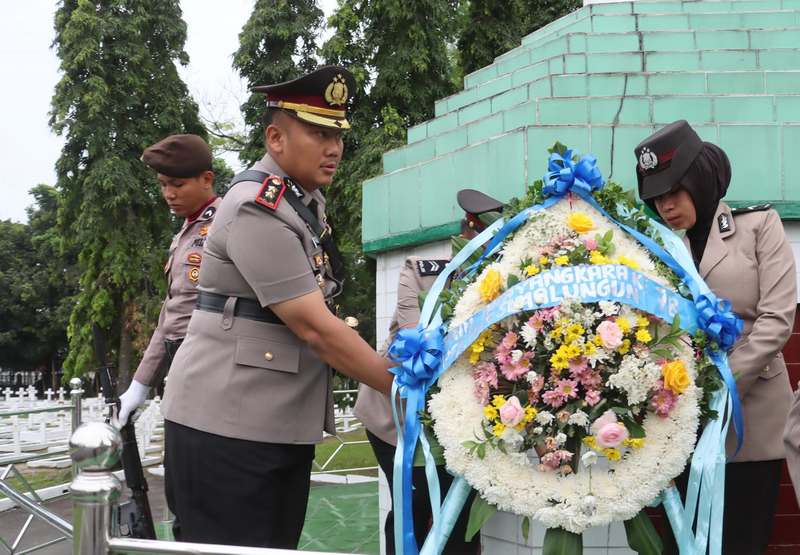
{"x": 647, "y": 159}
{"x": 336, "y": 93}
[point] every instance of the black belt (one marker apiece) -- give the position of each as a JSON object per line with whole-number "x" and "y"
{"x": 245, "y": 308}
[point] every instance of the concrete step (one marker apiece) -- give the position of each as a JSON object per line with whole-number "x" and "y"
{"x": 763, "y": 59}
{"x": 642, "y": 110}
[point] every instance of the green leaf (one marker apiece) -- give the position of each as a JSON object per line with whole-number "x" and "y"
{"x": 480, "y": 511}
{"x": 557, "y": 148}
{"x": 642, "y": 535}
{"x": 526, "y": 528}
{"x": 437, "y": 451}
{"x": 511, "y": 281}
{"x": 558, "y": 541}
{"x": 635, "y": 429}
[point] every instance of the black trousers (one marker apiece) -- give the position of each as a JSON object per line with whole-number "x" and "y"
{"x": 421, "y": 504}
{"x": 236, "y": 492}
{"x": 751, "y": 497}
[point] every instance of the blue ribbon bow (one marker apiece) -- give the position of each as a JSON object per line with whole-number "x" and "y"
{"x": 715, "y": 317}
{"x": 564, "y": 174}
{"x": 420, "y": 353}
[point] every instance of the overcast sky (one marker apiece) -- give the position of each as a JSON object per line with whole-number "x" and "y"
{"x": 28, "y": 150}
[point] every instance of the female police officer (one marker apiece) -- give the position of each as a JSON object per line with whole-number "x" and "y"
{"x": 743, "y": 256}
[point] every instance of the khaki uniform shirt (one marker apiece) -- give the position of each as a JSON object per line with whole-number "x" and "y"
{"x": 242, "y": 378}
{"x": 182, "y": 271}
{"x": 373, "y": 408}
{"x": 748, "y": 261}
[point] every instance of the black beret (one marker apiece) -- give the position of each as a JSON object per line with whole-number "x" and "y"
{"x": 179, "y": 156}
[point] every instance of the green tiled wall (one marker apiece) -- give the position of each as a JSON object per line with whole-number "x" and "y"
{"x": 600, "y": 80}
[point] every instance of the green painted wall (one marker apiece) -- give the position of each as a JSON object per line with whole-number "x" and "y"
{"x": 600, "y": 80}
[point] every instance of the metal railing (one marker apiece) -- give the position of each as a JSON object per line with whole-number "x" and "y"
{"x": 344, "y": 423}
{"x": 95, "y": 449}
{"x": 28, "y": 500}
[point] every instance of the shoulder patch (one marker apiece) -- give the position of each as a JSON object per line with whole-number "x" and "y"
{"x": 271, "y": 192}
{"x": 754, "y": 208}
{"x": 208, "y": 213}
{"x": 724, "y": 222}
{"x": 431, "y": 267}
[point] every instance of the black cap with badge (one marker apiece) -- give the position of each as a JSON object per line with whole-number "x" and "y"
{"x": 474, "y": 203}
{"x": 319, "y": 98}
{"x": 664, "y": 157}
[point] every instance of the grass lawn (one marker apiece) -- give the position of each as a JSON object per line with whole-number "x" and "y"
{"x": 39, "y": 478}
{"x": 349, "y": 456}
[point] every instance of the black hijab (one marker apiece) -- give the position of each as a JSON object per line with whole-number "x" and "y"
{"x": 706, "y": 181}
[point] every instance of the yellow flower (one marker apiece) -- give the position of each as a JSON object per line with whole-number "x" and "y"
{"x": 530, "y": 414}
{"x": 490, "y": 285}
{"x": 643, "y": 335}
{"x": 612, "y": 454}
{"x": 490, "y": 412}
{"x": 479, "y": 346}
{"x": 589, "y": 349}
{"x": 573, "y": 332}
{"x": 596, "y": 257}
{"x": 590, "y": 442}
{"x": 573, "y": 351}
{"x": 630, "y": 263}
{"x": 642, "y": 322}
{"x": 562, "y": 260}
{"x": 531, "y": 270}
{"x": 580, "y": 222}
{"x": 498, "y": 429}
{"x": 624, "y": 324}
{"x": 597, "y": 340}
{"x": 625, "y": 347}
{"x": 521, "y": 426}
{"x": 634, "y": 443}
{"x": 544, "y": 261}
{"x": 559, "y": 360}
{"x": 498, "y": 401}
{"x": 676, "y": 379}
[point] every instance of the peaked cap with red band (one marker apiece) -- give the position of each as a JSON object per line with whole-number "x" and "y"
{"x": 663, "y": 158}
{"x": 319, "y": 98}
{"x": 474, "y": 203}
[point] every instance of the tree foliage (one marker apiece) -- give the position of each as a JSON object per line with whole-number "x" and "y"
{"x": 277, "y": 43}
{"x": 119, "y": 92}
{"x": 492, "y": 27}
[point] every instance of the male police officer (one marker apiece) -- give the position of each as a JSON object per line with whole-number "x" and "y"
{"x": 249, "y": 392}
{"x": 374, "y": 409}
{"x": 183, "y": 163}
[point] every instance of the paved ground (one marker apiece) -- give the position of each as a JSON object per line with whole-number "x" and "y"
{"x": 341, "y": 518}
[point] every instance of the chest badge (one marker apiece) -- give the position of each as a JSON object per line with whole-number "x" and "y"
{"x": 271, "y": 192}
{"x": 724, "y": 223}
{"x": 194, "y": 258}
{"x": 194, "y": 274}
{"x": 203, "y": 230}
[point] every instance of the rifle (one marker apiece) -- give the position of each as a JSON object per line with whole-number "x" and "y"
{"x": 135, "y": 517}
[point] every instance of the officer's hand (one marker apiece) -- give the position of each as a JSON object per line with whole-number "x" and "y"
{"x": 131, "y": 400}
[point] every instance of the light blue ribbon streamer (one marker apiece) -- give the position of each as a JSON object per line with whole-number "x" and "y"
{"x": 583, "y": 177}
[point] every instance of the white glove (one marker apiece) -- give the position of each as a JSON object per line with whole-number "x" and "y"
{"x": 131, "y": 400}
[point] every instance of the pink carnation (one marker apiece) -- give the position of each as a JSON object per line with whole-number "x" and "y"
{"x": 663, "y": 401}
{"x": 485, "y": 376}
{"x": 592, "y": 397}
{"x": 553, "y": 460}
{"x": 515, "y": 369}
{"x": 590, "y": 244}
{"x": 610, "y": 334}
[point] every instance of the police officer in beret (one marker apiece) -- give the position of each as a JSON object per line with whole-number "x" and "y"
{"x": 374, "y": 408}
{"x": 250, "y": 390}
{"x": 183, "y": 163}
{"x": 743, "y": 256}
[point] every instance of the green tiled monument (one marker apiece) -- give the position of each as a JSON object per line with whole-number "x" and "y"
{"x": 600, "y": 80}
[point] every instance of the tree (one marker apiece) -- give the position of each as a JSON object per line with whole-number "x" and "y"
{"x": 119, "y": 92}
{"x": 276, "y": 44}
{"x": 492, "y": 27}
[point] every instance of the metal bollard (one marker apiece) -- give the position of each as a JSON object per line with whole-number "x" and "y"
{"x": 75, "y": 395}
{"x": 95, "y": 448}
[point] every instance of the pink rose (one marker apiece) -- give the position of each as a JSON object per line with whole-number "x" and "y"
{"x": 612, "y": 435}
{"x": 590, "y": 244}
{"x": 607, "y": 417}
{"x": 610, "y": 334}
{"x": 511, "y": 412}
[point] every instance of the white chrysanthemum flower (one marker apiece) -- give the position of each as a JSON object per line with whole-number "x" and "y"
{"x": 579, "y": 418}
{"x": 516, "y": 355}
{"x": 608, "y": 308}
{"x": 561, "y": 438}
{"x": 529, "y": 334}
{"x": 544, "y": 417}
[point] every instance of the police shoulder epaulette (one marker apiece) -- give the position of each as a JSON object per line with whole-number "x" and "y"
{"x": 271, "y": 192}
{"x": 207, "y": 214}
{"x": 754, "y": 208}
{"x": 431, "y": 267}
